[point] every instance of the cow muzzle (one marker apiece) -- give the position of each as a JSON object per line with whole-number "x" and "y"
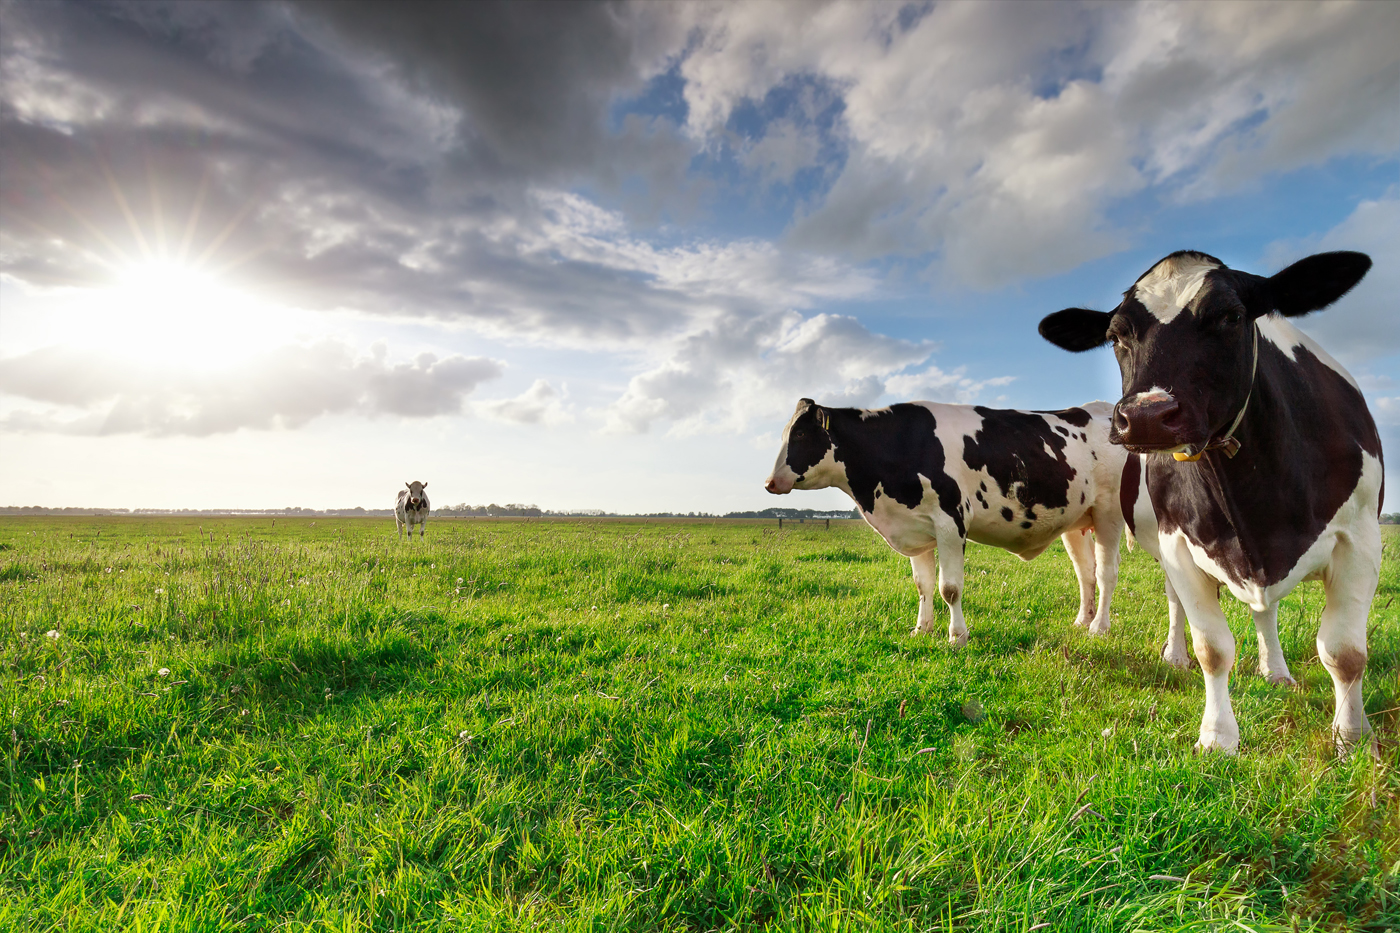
{"x": 778, "y": 486}
{"x": 1146, "y": 422}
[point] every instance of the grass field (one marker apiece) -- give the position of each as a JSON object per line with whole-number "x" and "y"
{"x": 241, "y": 725}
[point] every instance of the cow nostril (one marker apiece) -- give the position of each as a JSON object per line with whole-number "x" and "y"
{"x": 1120, "y": 420}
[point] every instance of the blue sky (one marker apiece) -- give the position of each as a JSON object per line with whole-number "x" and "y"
{"x": 590, "y": 255}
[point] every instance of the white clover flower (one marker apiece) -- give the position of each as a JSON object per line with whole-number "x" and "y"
{"x": 459, "y": 581}
{"x": 665, "y": 605}
{"x": 164, "y": 672}
{"x": 52, "y": 633}
{"x": 159, "y": 591}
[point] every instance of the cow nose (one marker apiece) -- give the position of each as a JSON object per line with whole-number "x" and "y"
{"x": 772, "y": 484}
{"x": 1143, "y": 421}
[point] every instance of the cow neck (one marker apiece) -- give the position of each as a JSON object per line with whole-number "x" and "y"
{"x": 1227, "y": 441}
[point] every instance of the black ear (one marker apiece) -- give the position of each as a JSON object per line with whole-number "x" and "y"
{"x": 425, "y": 485}
{"x": 1076, "y": 329}
{"x": 1314, "y": 283}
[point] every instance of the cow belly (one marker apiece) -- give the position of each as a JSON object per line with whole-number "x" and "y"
{"x": 992, "y": 528}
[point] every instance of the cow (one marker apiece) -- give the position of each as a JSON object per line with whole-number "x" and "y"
{"x": 412, "y": 506}
{"x": 929, "y": 477}
{"x": 1259, "y": 463}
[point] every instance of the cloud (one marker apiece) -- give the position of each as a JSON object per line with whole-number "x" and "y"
{"x": 449, "y": 163}
{"x": 999, "y": 136}
{"x": 1362, "y": 326}
{"x": 539, "y": 404}
{"x": 742, "y": 370}
{"x": 285, "y": 388}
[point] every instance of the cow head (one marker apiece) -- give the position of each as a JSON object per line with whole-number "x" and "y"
{"x": 415, "y": 493}
{"x": 1186, "y": 341}
{"x": 805, "y": 460}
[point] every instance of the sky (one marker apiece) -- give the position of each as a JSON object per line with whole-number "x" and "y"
{"x": 589, "y": 255}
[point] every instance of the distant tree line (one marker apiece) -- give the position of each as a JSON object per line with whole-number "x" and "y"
{"x": 797, "y": 514}
{"x": 1391, "y": 518}
{"x": 460, "y": 510}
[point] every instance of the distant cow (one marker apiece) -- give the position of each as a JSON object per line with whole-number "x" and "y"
{"x": 930, "y": 477}
{"x": 412, "y": 506}
{"x": 1263, "y": 467}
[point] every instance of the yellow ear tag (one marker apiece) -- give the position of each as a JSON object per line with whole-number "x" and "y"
{"x": 1184, "y": 457}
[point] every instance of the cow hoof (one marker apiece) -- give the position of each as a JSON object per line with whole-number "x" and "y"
{"x": 1215, "y": 743}
{"x": 1181, "y": 661}
{"x": 1283, "y": 679}
{"x": 959, "y": 640}
{"x": 1097, "y": 629}
{"x": 1083, "y": 622}
{"x": 1349, "y": 741}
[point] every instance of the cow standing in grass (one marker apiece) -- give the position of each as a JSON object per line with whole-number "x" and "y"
{"x": 1261, "y": 465}
{"x": 930, "y": 477}
{"x": 412, "y": 506}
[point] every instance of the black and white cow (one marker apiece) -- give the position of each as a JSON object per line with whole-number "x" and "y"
{"x": 930, "y": 477}
{"x": 412, "y": 506}
{"x": 1262, "y": 467}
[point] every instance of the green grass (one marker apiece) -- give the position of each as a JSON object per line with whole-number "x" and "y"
{"x": 648, "y": 726}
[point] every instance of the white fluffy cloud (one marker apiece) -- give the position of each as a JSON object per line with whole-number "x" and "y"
{"x": 998, "y": 136}
{"x": 539, "y": 404}
{"x": 284, "y": 388}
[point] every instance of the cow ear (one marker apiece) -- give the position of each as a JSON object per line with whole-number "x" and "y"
{"x": 425, "y": 485}
{"x": 1076, "y": 329}
{"x": 1314, "y": 283}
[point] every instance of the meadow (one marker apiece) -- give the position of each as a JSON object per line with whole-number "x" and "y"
{"x": 259, "y": 724}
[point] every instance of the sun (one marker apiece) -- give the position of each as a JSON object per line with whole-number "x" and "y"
{"x": 168, "y": 315}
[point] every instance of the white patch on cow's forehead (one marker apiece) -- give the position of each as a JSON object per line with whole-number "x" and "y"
{"x": 1172, "y": 285}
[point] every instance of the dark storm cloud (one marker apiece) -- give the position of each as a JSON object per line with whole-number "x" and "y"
{"x": 535, "y": 79}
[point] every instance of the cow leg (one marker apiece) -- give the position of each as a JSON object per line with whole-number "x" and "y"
{"x": 1175, "y": 652}
{"x": 950, "y": 586}
{"x": 1081, "y": 555}
{"x": 422, "y": 529}
{"x": 1350, "y": 583}
{"x": 1214, "y": 645}
{"x": 925, "y": 568}
{"x": 1272, "y": 665}
{"x": 1106, "y": 557}
{"x": 399, "y": 525}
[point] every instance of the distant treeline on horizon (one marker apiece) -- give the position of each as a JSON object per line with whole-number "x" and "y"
{"x": 462, "y": 510}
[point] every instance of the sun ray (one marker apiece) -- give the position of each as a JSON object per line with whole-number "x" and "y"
{"x": 193, "y": 222}
{"x": 225, "y": 233}
{"x": 131, "y": 221}
{"x": 157, "y": 214}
